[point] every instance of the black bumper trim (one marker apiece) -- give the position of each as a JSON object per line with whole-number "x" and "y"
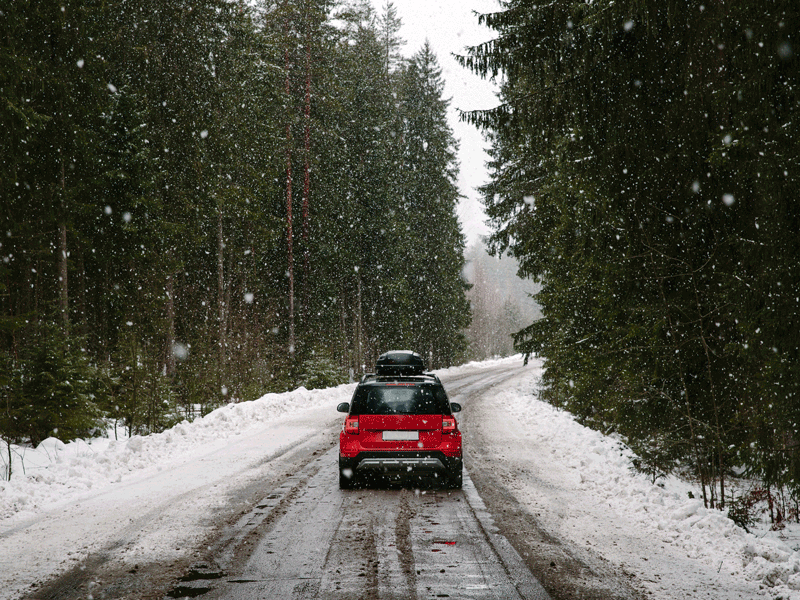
{"x": 401, "y": 462}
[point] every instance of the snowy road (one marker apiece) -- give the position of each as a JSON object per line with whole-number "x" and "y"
{"x": 244, "y": 503}
{"x": 302, "y": 538}
{"x": 315, "y": 541}
{"x": 312, "y": 540}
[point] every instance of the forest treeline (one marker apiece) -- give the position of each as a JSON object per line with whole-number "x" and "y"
{"x": 206, "y": 200}
{"x": 645, "y": 171}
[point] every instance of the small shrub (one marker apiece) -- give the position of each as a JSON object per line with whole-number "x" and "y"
{"x": 321, "y": 373}
{"x": 656, "y": 457}
{"x": 743, "y": 510}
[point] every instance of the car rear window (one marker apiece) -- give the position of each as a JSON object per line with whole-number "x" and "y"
{"x": 400, "y": 399}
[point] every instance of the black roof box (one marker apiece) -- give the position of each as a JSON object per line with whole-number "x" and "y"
{"x": 399, "y": 362}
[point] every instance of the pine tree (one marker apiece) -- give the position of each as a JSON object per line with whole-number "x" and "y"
{"x": 144, "y": 204}
{"x": 389, "y": 26}
{"x": 434, "y": 244}
{"x": 631, "y": 177}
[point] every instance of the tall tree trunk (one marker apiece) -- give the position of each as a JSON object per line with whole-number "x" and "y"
{"x": 289, "y": 234}
{"x": 343, "y": 337}
{"x": 63, "y": 286}
{"x": 700, "y": 462}
{"x": 306, "y": 165}
{"x": 221, "y": 300}
{"x": 719, "y": 442}
{"x": 63, "y": 302}
{"x": 359, "y": 332}
{"x": 8, "y": 447}
{"x": 134, "y": 390}
{"x": 79, "y": 289}
{"x": 169, "y": 309}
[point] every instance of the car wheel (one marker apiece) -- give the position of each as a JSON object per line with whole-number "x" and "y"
{"x": 346, "y": 479}
{"x": 456, "y": 479}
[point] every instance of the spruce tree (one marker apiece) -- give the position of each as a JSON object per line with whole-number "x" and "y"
{"x": 637, "y": 152}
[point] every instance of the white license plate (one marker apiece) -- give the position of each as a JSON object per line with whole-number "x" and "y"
{"x": 393, "y": 436}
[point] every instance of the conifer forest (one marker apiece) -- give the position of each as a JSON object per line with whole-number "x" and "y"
{"x": 645, "y": 169}
{"x": 207, "y": 200}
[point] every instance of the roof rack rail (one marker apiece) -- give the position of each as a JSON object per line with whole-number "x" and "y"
{"x": 377, "y": 377}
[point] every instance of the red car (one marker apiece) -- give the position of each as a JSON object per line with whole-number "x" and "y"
{"x": 400, "y": 426}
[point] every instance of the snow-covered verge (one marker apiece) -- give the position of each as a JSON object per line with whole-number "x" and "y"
{"x": 477, "y": 366}
{"x": 599, "y": 499}
{"x": 150, "y": 500}
{"x": 55, "y": 472}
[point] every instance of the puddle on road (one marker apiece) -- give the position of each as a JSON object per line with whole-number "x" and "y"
{"x": 196, "y": 573}
{"x": 183, "y": 591}
{"x": 199, "y": 573}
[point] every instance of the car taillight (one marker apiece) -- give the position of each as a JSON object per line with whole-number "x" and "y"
{"x": 351, "y": 425}
{"x": 448, "y": 424}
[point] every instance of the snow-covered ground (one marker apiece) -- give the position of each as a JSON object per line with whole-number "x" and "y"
{"x": 75, "y": 499}
{"x": 581, "y": 485}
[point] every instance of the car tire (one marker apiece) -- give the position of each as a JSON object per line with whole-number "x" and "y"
{"x": 456, "y": 479}
{"x": 345, "y": 482}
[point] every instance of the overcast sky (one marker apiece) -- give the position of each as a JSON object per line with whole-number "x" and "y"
{"x": 449, "y": 26}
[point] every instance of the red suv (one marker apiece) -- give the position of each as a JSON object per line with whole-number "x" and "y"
{"x": 400, "y": 425}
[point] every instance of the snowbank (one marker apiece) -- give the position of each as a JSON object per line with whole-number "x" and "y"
{"x": 599, "y": 467}
{"x": 55, "y": 472}
{"x": 483, "y": 365}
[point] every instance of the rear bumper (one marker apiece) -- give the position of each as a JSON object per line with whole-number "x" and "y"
{"x": 401, "y": 463}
